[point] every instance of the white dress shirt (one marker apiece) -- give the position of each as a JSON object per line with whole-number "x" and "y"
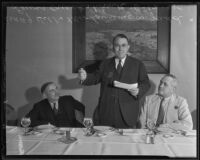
{"x": 52, "y": 104}
{"x": 122, "y": 61}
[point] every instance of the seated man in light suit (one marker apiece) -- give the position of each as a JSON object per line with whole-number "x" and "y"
{"x": 166, "y": 109}
{"x": 60, "y": 111}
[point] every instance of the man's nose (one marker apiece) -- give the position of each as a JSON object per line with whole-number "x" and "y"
{"x": 120, "y": 48}
{"x": 161, "y": 85}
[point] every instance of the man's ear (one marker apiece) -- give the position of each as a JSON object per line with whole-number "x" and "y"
{"x": 44, "y": 96}
{"x": 174, "y": 89}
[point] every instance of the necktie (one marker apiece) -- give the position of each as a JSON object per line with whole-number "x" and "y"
{"x": 160, "y": 114}
{"x": 119, "y": 67}
{"x": 55, "y": 110}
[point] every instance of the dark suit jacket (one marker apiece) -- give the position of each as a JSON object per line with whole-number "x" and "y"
{"x": 42, "y": 113}
{"x": 133, "y": 72}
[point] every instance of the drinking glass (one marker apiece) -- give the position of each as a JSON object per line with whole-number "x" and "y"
{"x": 88, "y": 123}
{"x": 25, "y": 122}
{"x": 151, "y": 125}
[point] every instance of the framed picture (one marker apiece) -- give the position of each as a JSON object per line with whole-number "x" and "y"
{"x": 148, "y": 30}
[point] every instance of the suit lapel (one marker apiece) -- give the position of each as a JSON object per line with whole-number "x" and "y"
{"x": 112, "y": 65}
{"x": 125, "y": 67}
{"x": 60, "y": 104}
{"x": 170, "y": 109}
{"x": 110, "y": 69}
{"x": 49, "y": 110}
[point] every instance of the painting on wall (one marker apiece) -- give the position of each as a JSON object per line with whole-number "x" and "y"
{"x": 146, "y": 27}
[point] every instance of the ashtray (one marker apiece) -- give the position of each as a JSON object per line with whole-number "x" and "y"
{"x": 67, "y": 140}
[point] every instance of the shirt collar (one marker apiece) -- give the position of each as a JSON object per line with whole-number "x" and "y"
{"x": 51, "y": 103}
{"x": 122, "y": 61}
{"x": 167, "y": 98}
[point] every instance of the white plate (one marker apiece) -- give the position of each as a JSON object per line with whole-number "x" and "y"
{"x": 165, "y": 130}
{"x": 45, "y": 128}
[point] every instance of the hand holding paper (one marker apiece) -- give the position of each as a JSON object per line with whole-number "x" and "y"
{"x": 132, "y": 88}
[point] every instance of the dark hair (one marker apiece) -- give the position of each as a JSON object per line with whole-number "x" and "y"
{"x": 120, "y": 36}
{"x": 44, "y": 86}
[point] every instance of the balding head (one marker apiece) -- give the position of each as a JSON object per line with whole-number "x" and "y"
{"x": 167, "y": 85}
{"x": 50, "y": 91}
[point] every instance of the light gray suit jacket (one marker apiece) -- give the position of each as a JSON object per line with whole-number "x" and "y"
{"x": 177, "y": 113}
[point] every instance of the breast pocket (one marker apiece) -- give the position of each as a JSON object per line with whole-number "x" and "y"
{"x": 172, "y": 115}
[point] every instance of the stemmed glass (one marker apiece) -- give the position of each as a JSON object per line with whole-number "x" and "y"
{"x": 88, "y": 123}
{"x": 151, "y": 126}
{"x": 25, "y": 122}
{"x": 151, "y": 132}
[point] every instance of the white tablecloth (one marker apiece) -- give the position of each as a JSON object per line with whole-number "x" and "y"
{"x": 132, "y": 142}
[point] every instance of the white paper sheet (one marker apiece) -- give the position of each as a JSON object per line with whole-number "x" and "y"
{"x": 125, "y": 85}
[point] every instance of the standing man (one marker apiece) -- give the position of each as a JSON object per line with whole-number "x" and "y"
{"x": 166, "y": 109}
{"x": 60, "y": 111}
{"x": 118, "y": 107}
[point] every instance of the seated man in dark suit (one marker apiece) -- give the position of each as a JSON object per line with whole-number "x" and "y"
{"x": 60, "y": 111}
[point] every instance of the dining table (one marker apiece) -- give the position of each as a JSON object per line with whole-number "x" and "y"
{"x": 131, "y": 142}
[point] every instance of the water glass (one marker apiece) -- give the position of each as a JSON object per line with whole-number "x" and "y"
{"x": 25, "y": 122}
{"x": 88, "y": 123}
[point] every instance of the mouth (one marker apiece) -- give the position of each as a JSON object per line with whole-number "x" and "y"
{"x": 159, "y": 90}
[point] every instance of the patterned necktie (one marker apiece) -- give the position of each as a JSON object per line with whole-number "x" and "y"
{"x": 160, "y": 114}
{"x": 119, "y": 67}
{"x": 55, "y": 110}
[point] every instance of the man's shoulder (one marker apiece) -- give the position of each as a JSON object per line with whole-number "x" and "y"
{"x": 108, "y": 60}
{"x": 64, "y": 97}
{"x": 152, "y": 97}
{"x": 135, "y": 60}
{"x": 42, "y": 102}
{"x": 179, "y": 99}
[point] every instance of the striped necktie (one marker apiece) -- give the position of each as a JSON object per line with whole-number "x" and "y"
{"x": 55, "y": 110}
{"x": 161, "y": 113}
{"x": 119, "y": 66}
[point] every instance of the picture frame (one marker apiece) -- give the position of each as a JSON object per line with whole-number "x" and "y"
{"x": 82, "y": 58}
